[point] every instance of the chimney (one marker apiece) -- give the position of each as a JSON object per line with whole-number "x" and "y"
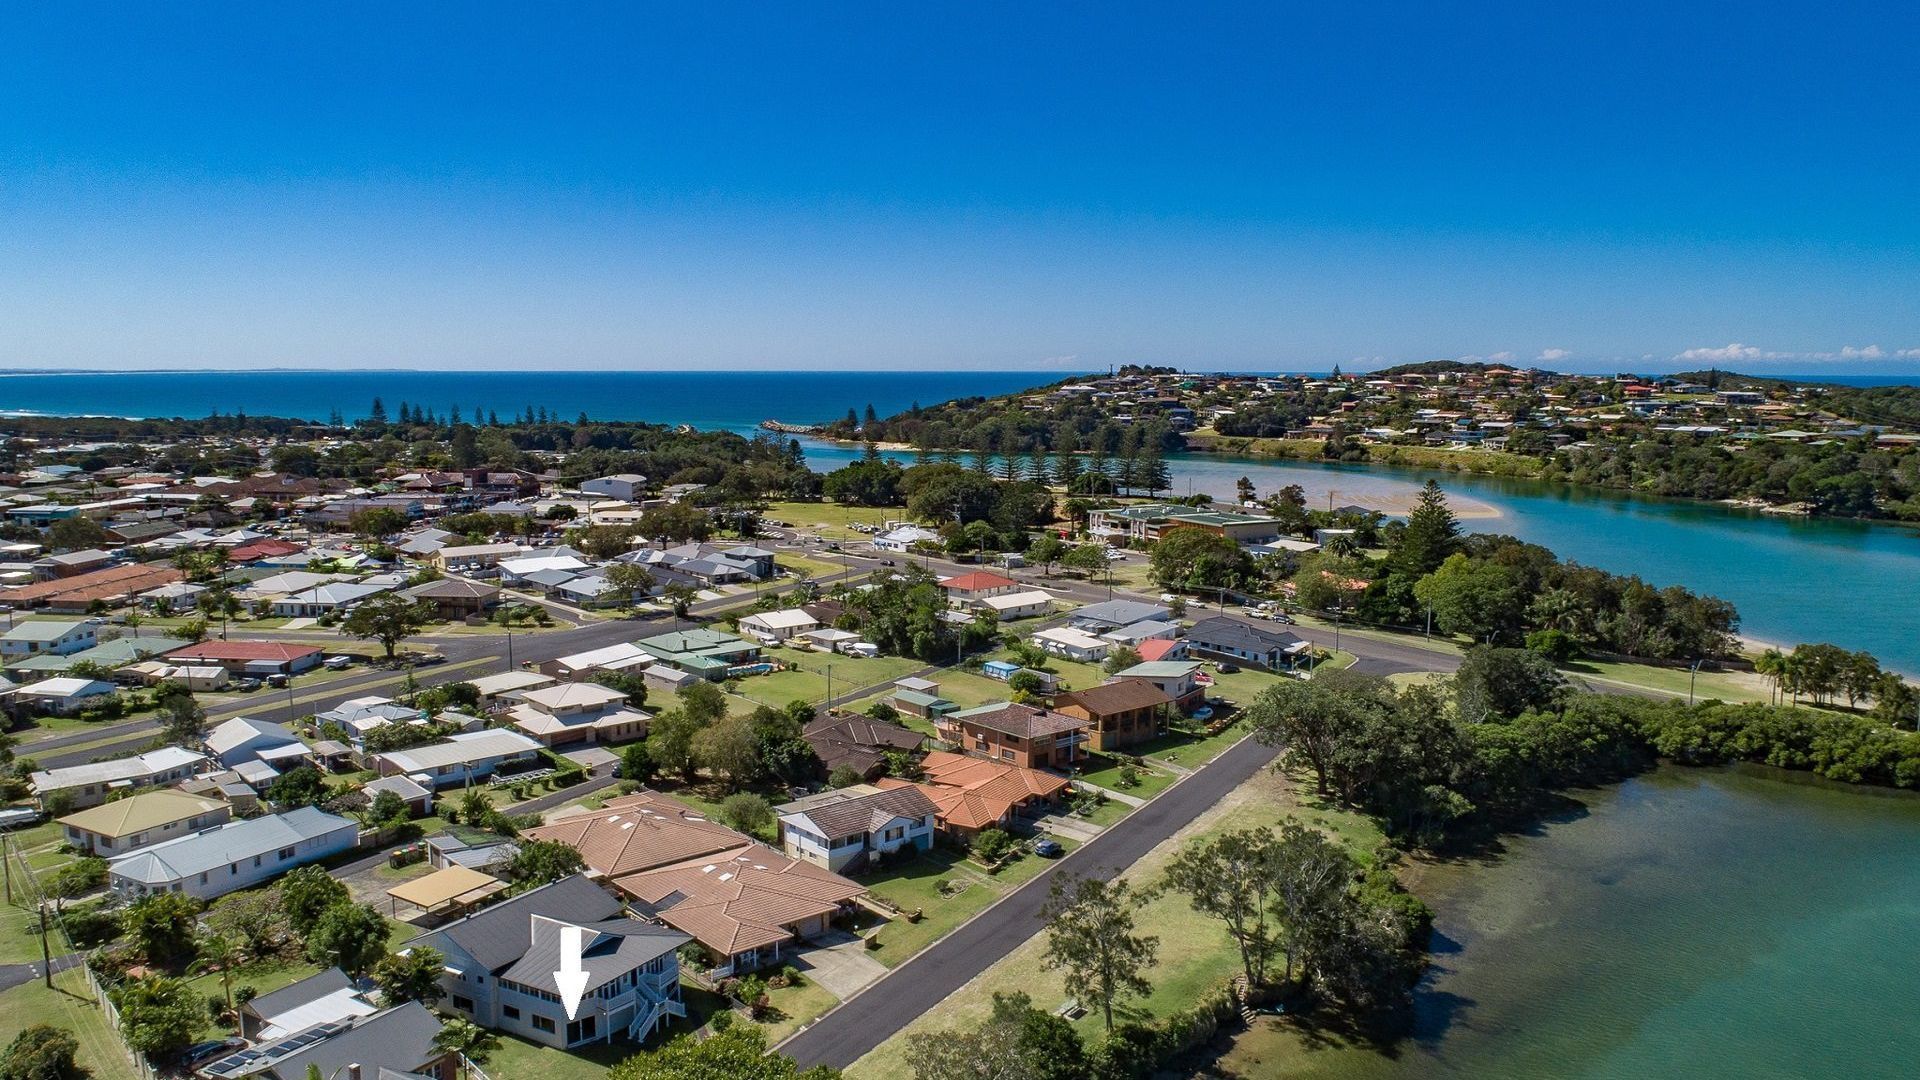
{"x": 353, "y": 1071}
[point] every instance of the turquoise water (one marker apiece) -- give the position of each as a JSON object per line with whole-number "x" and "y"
{"x": 1687, "y": 923}
{"x": 733, "y": 401}
{"x": 1847, "y": 582}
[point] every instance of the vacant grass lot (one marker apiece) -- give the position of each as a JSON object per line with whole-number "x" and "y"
{"x": 916, "y": 885}
{"x": 69, "y": 1005}
{"x": 1195, "y": 952}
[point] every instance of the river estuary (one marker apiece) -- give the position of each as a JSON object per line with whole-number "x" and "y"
{"x": 1691, "y": 922}
{"x": 1850, "y": 583}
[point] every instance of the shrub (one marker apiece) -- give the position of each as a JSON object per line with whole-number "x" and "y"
{"x": 992, "y": 843}
{"x": 41, "y": 1052}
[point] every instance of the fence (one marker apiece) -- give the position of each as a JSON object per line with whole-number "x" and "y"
{"x": 139, "y": 1061}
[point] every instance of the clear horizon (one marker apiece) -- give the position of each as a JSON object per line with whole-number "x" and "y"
{"x": 996, "y": 187}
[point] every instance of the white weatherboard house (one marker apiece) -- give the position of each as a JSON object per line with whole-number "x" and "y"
{"x": 500, "y": 965}
{"x": 470, "y": 755}
{"x": 90, "y": 784}
{"x": 37, "y": 637}
{"x": 777, "y": 626}
{"x": 233, "y": 856}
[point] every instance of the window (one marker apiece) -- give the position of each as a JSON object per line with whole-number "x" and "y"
{"x": 203, "y": 878}
{"x": 541, "y": 1023}
{"x": 256, "y": 860}
{"x": 462, "y": 1003}
{"x": 512, "y": 1013}
{"x": 286, "y": 853}
{"x": 1007, "y": 755}
{"x": 582, "y": 1028}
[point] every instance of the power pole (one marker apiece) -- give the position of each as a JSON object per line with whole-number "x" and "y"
{"x": 46, "y": 955}
{"x": 7, "y": 865}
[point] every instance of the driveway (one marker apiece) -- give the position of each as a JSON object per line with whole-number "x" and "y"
{"x": 839, "y": 962}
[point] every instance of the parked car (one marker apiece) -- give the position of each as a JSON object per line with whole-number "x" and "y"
{"x": 338, "y": 663}
{"x": 276, "y": 680}
{"x": 1225, "y": 668}
{"x": 247, "y": 686}
{"x": 1203, "y": 713}
{"x": 1048, "y": 849}
{"x": 200, "y": 1053}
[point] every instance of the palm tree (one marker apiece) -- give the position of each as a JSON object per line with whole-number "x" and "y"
{"x": 1772, "y": 664}
{"x": 471, "y": 1041}
{"x": 218, "y": 952}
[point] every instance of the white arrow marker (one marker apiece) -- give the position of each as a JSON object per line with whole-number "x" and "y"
{"x": 571, "y": 979}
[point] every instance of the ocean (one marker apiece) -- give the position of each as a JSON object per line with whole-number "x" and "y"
{"x": 709, "y": 400}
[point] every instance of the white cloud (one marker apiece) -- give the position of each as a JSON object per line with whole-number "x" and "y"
{"x": 1550, "y": 355}
{"x": 1070, "y": 360}
{"x": 1724, "y": 354}
{"x": 1737, "y": 352}
{"x": 1500, "y": 357}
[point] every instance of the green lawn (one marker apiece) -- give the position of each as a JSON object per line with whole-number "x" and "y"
{"x": 518, "y": 1059}
{"x": 913, "y": 885}
{"x": 69, "y": 1005}
{"x": 1191, "y": 749}
{"x": 1103, "y": 771}
{"x": 796, "y": 1005}
{"x": 829, "y": 520}
{"x": 1195, "y": 953}
{"x": 20, "y": 934}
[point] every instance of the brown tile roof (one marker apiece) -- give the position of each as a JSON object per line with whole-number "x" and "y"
{"x": 640, "y": 832}
{"x": 739, "y": 899}
{"x": 857, "y": 741}
{"x": 108, "y": 584}
{"x": 1115, "y": 697}
{"x": 1010, "y": 718}
{"x": 859, "y": 810}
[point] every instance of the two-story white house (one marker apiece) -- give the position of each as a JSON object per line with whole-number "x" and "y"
{"x": 233, "y": 856}
{"x": 501, "y": 960}
{"x": 626, "y": 487}
{"x": 842, "y": 830}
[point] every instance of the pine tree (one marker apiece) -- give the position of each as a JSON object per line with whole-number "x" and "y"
{"x": 1432, "y": 534}
{"x": 1066, "y": 469}
{"x": 983, "y": 462}
{"x": 1155, "y": 474}
{"x": 493, "y": 418}
{"x": 377, "y": 414}
{"x": 1009, "y": 467}
{"x": 1037, "y": 470}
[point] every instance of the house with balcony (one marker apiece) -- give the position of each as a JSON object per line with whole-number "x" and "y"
{"x": 501, "y": 960}
{"x": 846, "y": 828}
{"x": 1027, "y": 736}
{"x": 1221, "y": 638}
{"x": 1118, "y": 714}
{"x": 576, "y": 712}
{"x": 1176, "y": 679}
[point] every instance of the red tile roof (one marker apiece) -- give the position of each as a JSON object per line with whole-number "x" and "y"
{"x": 243, "y": 650}
{"x": 977, "y": 581}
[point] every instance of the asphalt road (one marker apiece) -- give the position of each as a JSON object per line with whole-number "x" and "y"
{"x": 867, "y": 1019}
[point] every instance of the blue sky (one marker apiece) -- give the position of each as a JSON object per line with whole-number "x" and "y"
{"x": 1253, "y": 186}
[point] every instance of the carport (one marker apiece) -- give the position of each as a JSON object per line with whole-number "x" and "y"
{"x": 446, "y": 892}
